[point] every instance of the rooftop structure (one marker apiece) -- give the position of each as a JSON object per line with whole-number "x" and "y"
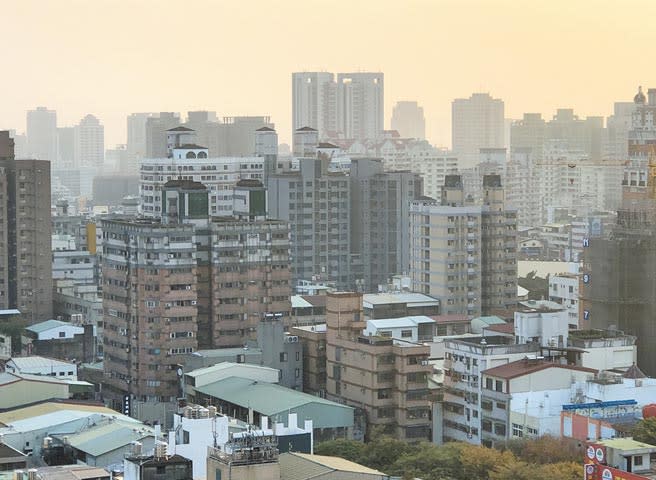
{"x": 301, "y": 466}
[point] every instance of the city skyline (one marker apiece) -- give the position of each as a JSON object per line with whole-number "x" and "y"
{"x": 130, "y": 79}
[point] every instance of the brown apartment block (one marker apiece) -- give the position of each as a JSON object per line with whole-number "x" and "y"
{"x": 187, "y": 282}
{"x": 150, "y": 307}
{"x": 25, "y": 259}
{"x": 385, "y": 377}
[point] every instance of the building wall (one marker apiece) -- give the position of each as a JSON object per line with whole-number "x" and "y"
{"x": 317, "y": 205}
{"x": 23, "y": 392}
{"x": 150, "y": 327}
{"x": 25, "y": 253}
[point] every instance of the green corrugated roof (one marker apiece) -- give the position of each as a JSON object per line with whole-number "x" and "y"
{"x": 627, "y": 443}
{"x": 266, "y": 398}
{"x": 47, "y": 325}
{"x": 106, "y": 438}
{"x": 490, "y": 320}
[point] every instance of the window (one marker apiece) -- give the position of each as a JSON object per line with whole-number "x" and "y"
{"x": 283, "y": 356}
{"x": 486, "y": 425}
{"x": 384, "y": 393}
{"x": 637, "y": 460}
{"x": 501, "y": 405}
{"x": 517, "y": 430}
{"x": 62, "y": 334}
{"x": 406, "y": 333}
{"x": 498, "y": 386}
{"x": 486, "y": 405}
{"x": 500, "y": 429}
{"x": 298, "y": 356}
{"x": 488, "y": 383}
{"x": 297, "y": 372}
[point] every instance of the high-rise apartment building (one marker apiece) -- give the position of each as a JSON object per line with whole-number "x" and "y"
{"x": 528, "y": 133}
{"x": 25, "y": 260}
{"x": 465, "y": 253}
{"x": 90, "y": 144}
{"x": 185, "y": 281}
{"x": 380, "y": 219}
{"x": 317, "y": 204}
{"x": 360, "y": 104}
{"x": 42, "y": 134}
{"x": 314, "y": 102}
{"x": 476, "y": 122}
{"x": 385, "y": 377}
{"x": 408, "y": 119}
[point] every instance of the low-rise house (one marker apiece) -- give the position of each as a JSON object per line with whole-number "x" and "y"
{"x": 301, "y": 466}
{"x": 37, "y": 365}
{"x": 62, "y": 340}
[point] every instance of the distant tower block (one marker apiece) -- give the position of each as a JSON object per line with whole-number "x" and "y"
{"x": 306, "y": 140}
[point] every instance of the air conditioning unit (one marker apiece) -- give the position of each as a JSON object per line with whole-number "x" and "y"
{"x": 424, "y": 362}
{"x": 194, "y": 302}
{"x": 188, "y": 287}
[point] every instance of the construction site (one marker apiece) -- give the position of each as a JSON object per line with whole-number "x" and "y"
{"x": 619, "y": 270}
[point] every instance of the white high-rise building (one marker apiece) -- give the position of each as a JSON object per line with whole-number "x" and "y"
{"x": 314, "y": 97}
{"x": 476, "y": 122}
{"x": 360, "y": 106}
{"x": 90, "y": 143}
{"x": 42, "y": 134}
{"x": 408, "y": 119}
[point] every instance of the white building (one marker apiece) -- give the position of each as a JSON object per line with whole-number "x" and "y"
{"x": 525, "y": 398}
{"x": 564, "y": 289}
{"x": 196, "y": 428}
{"x": 36, "y": 365}
{"x": 476, "y": 122}
{"x": 543, "y": 322}
{"x": 314, "y": 101}
{"x": 465, "y": 359}
{"x": 190, "y": 162}
{"x": 414, "y": 329}
{"x": 55, "y": 330}
{"x": 77, "y": 265}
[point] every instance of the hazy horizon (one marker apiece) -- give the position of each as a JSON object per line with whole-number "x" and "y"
{"x": 103, "y": 58}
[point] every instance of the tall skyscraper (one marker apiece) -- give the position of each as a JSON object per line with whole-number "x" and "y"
{"x": 90, "y": 143}
{"x": 65, "y": 149}
{"x": 314, "y": 102}
{"x": 136, "y": 140}
{"x": 360, "y": 104}
{"x": 408, "y": 119}
{"x": 25, "y": 227}
{"x": 528, "y": 133}
{"x": 476, "y": 122}
{"x": 42, "y": 134}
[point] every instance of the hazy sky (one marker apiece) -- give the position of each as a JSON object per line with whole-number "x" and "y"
{"x": 112, "y": 57}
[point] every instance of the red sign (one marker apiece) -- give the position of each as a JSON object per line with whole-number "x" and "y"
{"x": 595, "y": 453}
{"x": 602, "y": 472}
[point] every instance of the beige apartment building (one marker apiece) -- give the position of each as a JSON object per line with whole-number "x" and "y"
{"x": 386, "y": 378}
{"x": 464, "y": 253}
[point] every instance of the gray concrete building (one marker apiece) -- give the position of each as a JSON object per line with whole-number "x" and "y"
{"x": 316, "y": 203}
{"x": 380, "y": 219}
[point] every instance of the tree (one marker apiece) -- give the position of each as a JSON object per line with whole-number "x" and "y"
{"x": 546, "y": 449}
{"x": 14, "y": 327}
{"x": 645, "y": 430}
{"x": 347, "y": 449}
